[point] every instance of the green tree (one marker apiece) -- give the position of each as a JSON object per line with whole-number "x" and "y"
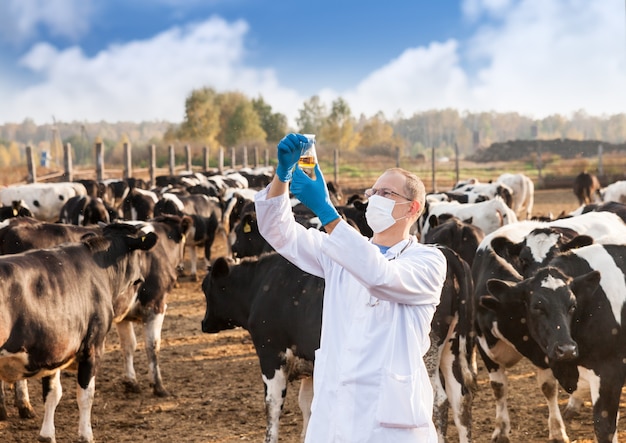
{"x": 239, "y": 122}
{"x": 274, "y": 124}
{"x": 377, "y": 137}
{"x": 312, "y": 116}
{"x": 202, "y": 117}
{"x": 338, "y": 129}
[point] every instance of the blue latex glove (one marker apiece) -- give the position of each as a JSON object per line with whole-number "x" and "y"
{"x": 314, "y": 194}
{"x": 289, "y": 150}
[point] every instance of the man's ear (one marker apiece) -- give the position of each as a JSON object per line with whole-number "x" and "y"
{"x": 415, "y": 207}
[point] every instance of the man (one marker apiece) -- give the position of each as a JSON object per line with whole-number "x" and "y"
{"x": 370, "y": 381}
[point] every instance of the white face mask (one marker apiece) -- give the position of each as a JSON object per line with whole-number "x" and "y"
{"x": 378, "y": 213}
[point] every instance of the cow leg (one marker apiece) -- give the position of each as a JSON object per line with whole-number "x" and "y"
{"x": 305, "y": 398}
{"x": 275, "y": 392}
{"x": 22, "y": 399}
{"x": 3, "y": 402}
{"x": 432, "y": 359}
{"x": 460, "y": 385}
{"x": 85, "y": 391}
{"x": 499, "y": 385}
{"x": 550, "y": 389}
{"x": 193, "y": 257}
{"x": 153, "y": 324}
{"x": 605, "y": 392}
{"x": 128, "y": 345}
{"x": 52, "y": 391}
{"x": 85, "y": 396}
{"x": 577, "y": 398}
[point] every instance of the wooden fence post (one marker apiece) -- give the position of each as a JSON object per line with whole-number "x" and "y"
{"x": 267, "y": 157}
{"x": 434, "y": 186}
{"x": 188, "y": 158}
{"x": 172, "y": 158}
{"x": 205, "y": 158}
{"x": 128, "y": 160}
{"x": 32, "y": 171}
{"x": 68, "y": 175}
{"x": 152, "y": 167}
{"x": 256, "y": 156}
{"x": 397, "y": 156}
{"x": 220, "y": 161}
{"x": 456, "y": 161}
{"x": 600, "y": 165}
{"x": 233, "y": 158}
{"x": 99, "y": 161}
{"x": 336, "y": 161}
{"x": 245, "y": 157}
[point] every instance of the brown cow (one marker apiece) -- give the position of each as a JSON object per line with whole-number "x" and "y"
{"x": 586, "y": 188}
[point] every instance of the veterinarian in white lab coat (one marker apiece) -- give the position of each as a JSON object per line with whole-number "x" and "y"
{"x": 370, "y": 381}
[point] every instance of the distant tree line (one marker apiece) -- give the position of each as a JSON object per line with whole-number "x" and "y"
{"x": 233, "y": 120}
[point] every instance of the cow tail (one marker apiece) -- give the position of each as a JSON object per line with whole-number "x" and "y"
{"x": 465, "y": 328}
{"x": 500, "y": 217}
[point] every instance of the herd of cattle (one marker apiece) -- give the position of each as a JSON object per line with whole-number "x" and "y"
{"x": 77, "y": 258}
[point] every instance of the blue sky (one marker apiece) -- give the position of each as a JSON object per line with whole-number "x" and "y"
{"x": 137, "y": 60}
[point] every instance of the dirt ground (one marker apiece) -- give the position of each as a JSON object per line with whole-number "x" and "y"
{"x": 217, "y": 392}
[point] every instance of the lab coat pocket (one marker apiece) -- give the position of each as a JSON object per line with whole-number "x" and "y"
{"x": 399, "y": 402}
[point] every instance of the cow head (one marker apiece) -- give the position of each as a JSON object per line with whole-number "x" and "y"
{"x": 538, "y": 247}
{"x": 214, "y": 292}
{"x": 550, "y": 300}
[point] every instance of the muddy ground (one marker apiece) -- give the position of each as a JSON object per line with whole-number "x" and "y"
{"x": 217, "y": 392}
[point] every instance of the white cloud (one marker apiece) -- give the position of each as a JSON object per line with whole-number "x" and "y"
{"x": 420, "y": 78}
{"x": 145, "y": 80}
{"x": 536, "y": 57}
{"x": 554, "y": 56}
{"x": 544, "y": 57}
{"x": 20, "y": 19}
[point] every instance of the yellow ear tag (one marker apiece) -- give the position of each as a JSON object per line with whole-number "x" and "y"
{"x": 246, "y": 228}
{"x": 14, "y": 212}
{"x": 143, "y": 239}
{"x": 184, "y": 238}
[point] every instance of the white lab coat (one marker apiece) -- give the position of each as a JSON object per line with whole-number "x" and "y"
{"x": 365, "y": 292}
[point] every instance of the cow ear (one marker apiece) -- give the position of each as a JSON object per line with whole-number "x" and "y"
{"x": 147, "y": 241}
{"x": 585, "y": 285}
{"x": 468, "y": 220}
{"x": 578, "y": 242}
{"x": 186, "y": 224}
{"x": 490, "y": 303}
{"x": 505, "y": 291}
{"x": 433, "y": 221}
{"x": 220, "y": 268}
{"x": 505, "y": 248}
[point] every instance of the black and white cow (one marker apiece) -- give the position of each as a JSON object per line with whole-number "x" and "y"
{"x": 586, "y": 188}
{"x": 523, "y": 193}
{"x": 281, "y": 307}
{"x": 44, "y": 200}
{"x": 508, "y": 254}
{"x": 16, "y": 209}
{"x": 26, "y": 233}
{"x": 459, "y": 235}
{"x": 139, "y": 204}
{"x": 70, "y": 296}
{"x": 84, "y": 210}
{"x": 451, "y": 357}
{"x": 206, "y": 213}
{"x": 487, "y": 215}
{"x": 574, "y": 309}
{"x": 160, "y": 271}
{"x": 491, "y": 189}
